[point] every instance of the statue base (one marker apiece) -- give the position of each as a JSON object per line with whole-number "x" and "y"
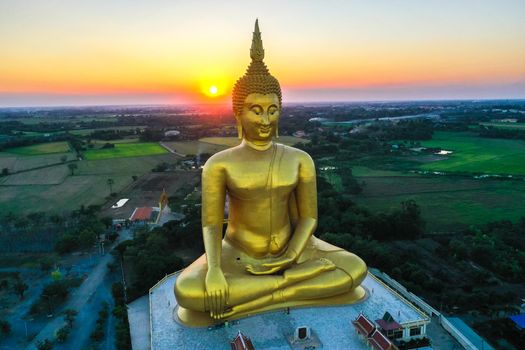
{"x": 191, "y": 318}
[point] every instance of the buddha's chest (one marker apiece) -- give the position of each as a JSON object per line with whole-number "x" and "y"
{"x": 256, "y": 179}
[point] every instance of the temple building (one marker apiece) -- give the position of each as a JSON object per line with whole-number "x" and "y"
{"x": 154, "y": 215}
{"x": 386, "y": 332}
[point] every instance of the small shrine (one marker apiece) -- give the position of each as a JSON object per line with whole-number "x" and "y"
{"x": 389, "y": 327}
{"x": 241, "y": 342}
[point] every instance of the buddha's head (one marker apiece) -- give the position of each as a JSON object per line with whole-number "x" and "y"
{"x": 257, "y": 97}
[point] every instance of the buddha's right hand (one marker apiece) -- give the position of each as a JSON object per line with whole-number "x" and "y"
{"x": 216, "y": 292}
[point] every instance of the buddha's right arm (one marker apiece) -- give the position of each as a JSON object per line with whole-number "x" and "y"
{"x": 213, "y": 197}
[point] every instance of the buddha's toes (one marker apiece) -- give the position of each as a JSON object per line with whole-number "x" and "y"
{"x": 308, "y": 269}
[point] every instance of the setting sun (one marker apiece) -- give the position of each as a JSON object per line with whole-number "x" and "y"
{"x": 213, "y": 90}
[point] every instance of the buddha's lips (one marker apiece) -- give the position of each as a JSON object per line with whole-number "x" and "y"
{"x": 265, "y": 129}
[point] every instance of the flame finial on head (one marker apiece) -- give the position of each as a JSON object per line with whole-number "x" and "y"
{"x": 257, "y": 50}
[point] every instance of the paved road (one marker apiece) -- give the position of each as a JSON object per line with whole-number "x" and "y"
{"x": 82, "y": 299}
{"x": 78, "y": 299}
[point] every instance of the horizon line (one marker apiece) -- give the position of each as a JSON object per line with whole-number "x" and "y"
{"x": 284, "y": 104}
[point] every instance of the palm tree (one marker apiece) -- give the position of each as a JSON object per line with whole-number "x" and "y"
{"x": 110, "y": 183}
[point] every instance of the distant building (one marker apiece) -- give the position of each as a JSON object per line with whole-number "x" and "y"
{"x": 171, "y": 133}
{"x": 154, "y": 215}
{"x": 143, "y": 215}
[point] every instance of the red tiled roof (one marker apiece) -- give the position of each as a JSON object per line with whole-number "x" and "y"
{"x": 363, "y": 325}
{"x": 379, "y": 341}
{"x": 388, "y": 326}
{"x": 142, "y": 213}
{"x": 242, "y": 342}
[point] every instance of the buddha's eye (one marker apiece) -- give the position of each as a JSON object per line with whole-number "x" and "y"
{"x": 257, "y": 110}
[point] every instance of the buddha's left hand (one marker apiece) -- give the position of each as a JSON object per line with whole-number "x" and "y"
{"x": 273, "y": 266}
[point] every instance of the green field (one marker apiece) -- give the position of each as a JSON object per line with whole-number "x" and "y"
{"x": 52, "y": 175}
{"x": 121, "y": 150}
{"x": 194, "y": 147}
{"x": 68, "y": 119}
{"x": 473, "y": 154}
{"x": 16, "y": 163}
{"x": 510, "y": 126}
{"x": 41, "y": 148}
{"x": 450, "y": 202}
{"x": 447, "y": 203}
{"x": 83, "y": 132}
{"x": 234, "y": 141}
{"x": 213, "y": 145}
{"x": 53, "y": 189}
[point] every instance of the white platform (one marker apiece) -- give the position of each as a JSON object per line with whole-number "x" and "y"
{"x": 268, "y": 331}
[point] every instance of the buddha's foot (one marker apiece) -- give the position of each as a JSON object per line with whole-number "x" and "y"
{"x": 252, "y": 305}
{"x": 307, "y": 270}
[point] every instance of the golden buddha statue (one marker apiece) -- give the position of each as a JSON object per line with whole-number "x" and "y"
{"x": 269, "y": 258}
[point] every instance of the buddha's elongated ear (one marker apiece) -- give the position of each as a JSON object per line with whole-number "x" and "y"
{"x": 239, "y": 127}
{"x": 277, "y": 130}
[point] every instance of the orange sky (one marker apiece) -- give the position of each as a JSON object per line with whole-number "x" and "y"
{"x": 172, "y": 51}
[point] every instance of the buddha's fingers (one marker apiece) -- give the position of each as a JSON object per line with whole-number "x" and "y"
{"x": 256, "y": 272}
{"x": 220, "y": 303}
{"x": 210, "y": 303}
{"x": 279, "y": 264}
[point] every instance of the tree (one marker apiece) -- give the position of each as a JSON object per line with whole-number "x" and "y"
{"x": 36, "y": 218}
{"x": 69, "y": 316}
{"x": 63, "y": 158}
{"x": 72, "y": 167}
{"x": 46, "y": 263}
{"x": 44, "y": 345}
{"x": 5, "y": 171}
{"x": 56, "y": 275}
{"x": 20, "y": 288}
{"x": 62, "y": 333}
{"x": 110, "y": 183}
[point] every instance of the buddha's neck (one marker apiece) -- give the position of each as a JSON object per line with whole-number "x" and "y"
{"x": 257, "y": 145}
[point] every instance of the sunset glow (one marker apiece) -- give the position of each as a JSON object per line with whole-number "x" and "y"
{"x": 175, "y": 52}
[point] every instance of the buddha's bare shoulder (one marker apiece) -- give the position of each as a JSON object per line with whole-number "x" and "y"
{"x": 296, "y": 153}
{"x": 222, "y": 159}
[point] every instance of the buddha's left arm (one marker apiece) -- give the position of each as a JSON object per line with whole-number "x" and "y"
{"x": 306, "y": 198}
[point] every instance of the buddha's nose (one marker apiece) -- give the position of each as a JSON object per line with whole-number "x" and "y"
{"x": 265, "y": 119}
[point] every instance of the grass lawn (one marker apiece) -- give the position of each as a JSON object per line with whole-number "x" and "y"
{"x": 126, "y": 150}
{"x": 41, "y": 148}
{"x": 475, "y": 154}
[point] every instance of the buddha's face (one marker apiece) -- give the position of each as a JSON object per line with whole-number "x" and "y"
{"x": 259, "y": 117}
